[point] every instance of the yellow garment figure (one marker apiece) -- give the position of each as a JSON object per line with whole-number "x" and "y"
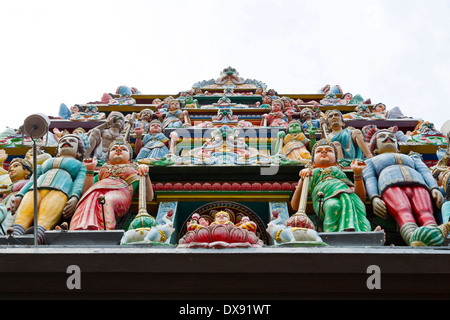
{"x": 51, "y": 204}
{"x": 294, "y": 147}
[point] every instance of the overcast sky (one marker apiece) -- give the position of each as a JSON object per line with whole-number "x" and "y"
{"x": 391, "y": 51}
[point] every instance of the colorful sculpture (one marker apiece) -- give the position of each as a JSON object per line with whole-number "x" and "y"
{"x": 295, "y": 144}
{"x": 221, "y": 233}
{"x": 59, "y": 184}
{"x": 101, "y": 137}
{"x": 283, "y": 234}
{"x": 124, "y": 97}
{"x": 403, "y": 187}
{"x": 175, "y": 117}
{"x": 117, "y": 181}
{"x": 19, "y": 171}
{"x": 349, "y": 142}
{"x": 336, "y": 203}
{"x": 309, "y": 120}
{"x": 154, "y": 145}
{"x": 277, "y": 117}
{"x": 5, "y": 180}
{"x": 91, "y": 113}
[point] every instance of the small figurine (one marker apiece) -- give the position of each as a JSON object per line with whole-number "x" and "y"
{"x": 282, "y": 233}
{"x": 153, "y": 145}
{"x": 19, "y": 171}
{"x": 338, "y": 202}
{"x": 295, "y": 143}
{"x": 124, "y": 98}
{"x": 401, "y": 186}
{"x": 349, "y": 142}
{"x": 59, "y": 184}
{"x": 380, "y": 110}
{"x": 144, "y": 118}
{"x": 346, "y": 98}
{"x": 221, "y": 233}
{"x": 308, "y": 119}
{"x": 175, "y": 117}
{"x": 276, "y": 117}
{"x": 117, "y": 181}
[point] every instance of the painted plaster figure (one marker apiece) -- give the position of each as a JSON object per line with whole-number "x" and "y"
{"x": 403, "y": 187}
{"x": 153, "y": 145}
{"x": 19, "y": 171}
{"x": 59, "y": 185}
{"x": 103, "y": 135}
{"x": 337, "y": 201}
{"x": 349, "y": 142}
{"x": 117, "y": 181}
{"x": 277, "y": 117}
{"x": 175, "y": 117}
{"x": 295, "y": 143}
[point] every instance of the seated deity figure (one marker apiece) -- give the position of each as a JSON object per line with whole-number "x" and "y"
{"x": 402, "y": 187}
{"x": 295, "y": 143}
{"x": 337, "y": 201}
{"x": 349, "y": 142}
{"x": 277, "y": 117}
{"x": 19, "y": 171}
{"x": 175, "y": 117}
{"x": 153, "y": 145}
{"x": 59, "y": 185}
{"x": 117, "y": 181}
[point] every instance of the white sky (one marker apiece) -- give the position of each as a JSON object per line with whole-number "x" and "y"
{"x": 391, "y": 51}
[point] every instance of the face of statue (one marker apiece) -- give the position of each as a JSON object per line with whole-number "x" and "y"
{"x": 17, "y": 172}
{"x": 386, "y": 142}
{"x": 118, "y": 154}
{"x": 174, "y": 105}
{"x": 334, "y": 119}
{"x": 307, "y": 115}
{"x": 380, "y": 108}
{"x": 276, "y": 106}
{"x": 68, "y": 146}
{"x": 267, "y": 100}
{"x": 146, "y": 115}
{"x": 155, "y": 127}
{"x": 119, "y": 121}
{"x": 221, "y": 218}
{"x": 295, "y": 127}
{"x": 78, "y": 131}
{"x": 348, "y": 97}
{"x": 324, "y": 156}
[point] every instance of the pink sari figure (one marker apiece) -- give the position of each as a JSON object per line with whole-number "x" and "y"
{"x": 118, "y": 183}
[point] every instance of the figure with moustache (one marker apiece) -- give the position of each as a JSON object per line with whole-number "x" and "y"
{"x": 117, "y": 181}
{"x": 59, "y": 185}
{"x": 341, "y": 207}
{"x": 403, "y": 187}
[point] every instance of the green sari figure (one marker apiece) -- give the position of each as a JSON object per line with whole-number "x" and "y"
{"x": 336, "y": 200}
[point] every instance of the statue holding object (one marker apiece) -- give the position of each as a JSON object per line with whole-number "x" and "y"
{"x": 337, "y": 201}
{"x": 117, "y": 181}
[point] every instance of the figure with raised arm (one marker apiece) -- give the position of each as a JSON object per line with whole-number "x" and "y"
{"x": 337, "y": 201}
